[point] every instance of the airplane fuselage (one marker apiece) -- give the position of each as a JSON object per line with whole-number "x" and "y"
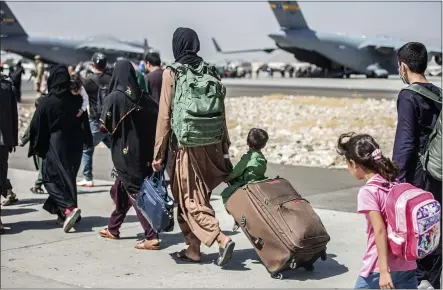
{"x": 54, "y": 50}
{"x": 333, "y": 51}
{"x": 51, "y": 49}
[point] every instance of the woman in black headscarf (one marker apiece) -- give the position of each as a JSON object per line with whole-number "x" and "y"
{"x": 58, "y": 135}
{"x": 130, "y": 116}
{"x": 196, "y": 171}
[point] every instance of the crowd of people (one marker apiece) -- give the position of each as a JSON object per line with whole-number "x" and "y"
{"x": 132, "y": 116}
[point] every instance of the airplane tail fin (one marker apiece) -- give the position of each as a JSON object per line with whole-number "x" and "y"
{"x": 9, "y": 25}
{"x": 216, "y": 45}
{"x": 288, "y": 14}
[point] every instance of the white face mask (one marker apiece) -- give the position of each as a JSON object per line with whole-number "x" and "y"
{"x": 401, "y": 76}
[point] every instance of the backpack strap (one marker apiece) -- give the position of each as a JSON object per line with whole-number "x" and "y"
{"x": 174, "y": 67}
{"x": 424, "y": 92}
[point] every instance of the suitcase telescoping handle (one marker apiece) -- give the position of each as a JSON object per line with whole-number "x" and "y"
{"x": 257, "y": 242}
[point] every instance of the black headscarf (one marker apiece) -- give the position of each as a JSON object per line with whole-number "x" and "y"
{"x": 124, "y": 80}
{"x": 124, "y": 95}
{"x": 185, "y": 46}
{"x": 59, "y": 80}
{"x": 57, "y": 112}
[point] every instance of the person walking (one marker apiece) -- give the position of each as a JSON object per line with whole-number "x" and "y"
{"x": 16, "y": 78}
{"x": 96, "y": 86}
{"x": 8, "y": 136}
{"x": 129, "y": 115}
{"x": 417, "y": 117}
{"x": 381, "y": 269}
{"x": 39, "y": 71}
{"x": 154, "y": 76}
{"x": 198, "y": 169}
{"x": 57, "y": 135}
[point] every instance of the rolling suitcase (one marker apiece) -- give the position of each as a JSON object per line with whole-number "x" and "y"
{"x": 282, "y": 227}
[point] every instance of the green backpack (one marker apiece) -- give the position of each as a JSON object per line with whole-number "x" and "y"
{"x": 198, "y": 108}
{"x": 431, "y": 155}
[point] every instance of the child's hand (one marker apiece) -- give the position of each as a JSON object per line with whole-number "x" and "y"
{"x": 386, "y": 281}
{"x": 80, "y": 112}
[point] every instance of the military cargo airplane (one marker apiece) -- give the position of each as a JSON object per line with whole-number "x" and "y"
{"x": 58, "y": 50}
{"x": 336, "y": 54}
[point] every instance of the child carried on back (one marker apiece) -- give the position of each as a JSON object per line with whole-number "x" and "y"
{"x": 251, "y": 167}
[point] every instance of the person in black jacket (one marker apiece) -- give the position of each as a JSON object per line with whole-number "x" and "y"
{"x": 8, "y": 137}
{"x": 16, "y": 78}
{"x": 417, "y": 116}
{"x": 95, "y": 85}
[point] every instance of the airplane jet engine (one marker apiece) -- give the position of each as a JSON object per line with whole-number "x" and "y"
{"x": 437, "y": 59}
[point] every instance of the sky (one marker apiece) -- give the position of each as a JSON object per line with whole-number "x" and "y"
{"x": 235, "y": 25}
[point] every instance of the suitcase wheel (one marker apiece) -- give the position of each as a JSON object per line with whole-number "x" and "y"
{"x": 278, "y": 276}
{"x": 323, "y": 256}
{"x": 309, "y": 268}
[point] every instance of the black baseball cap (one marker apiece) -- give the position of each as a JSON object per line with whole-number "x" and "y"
{"x": 99, "y": 60}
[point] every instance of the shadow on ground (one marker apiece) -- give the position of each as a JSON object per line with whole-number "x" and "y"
{"x": 80, "y": 191}
{"x": 16, "y": 211}
{"x": 241, "y": 259}
{"x": 323, "y": 269}
{"x": 87, "y": 224}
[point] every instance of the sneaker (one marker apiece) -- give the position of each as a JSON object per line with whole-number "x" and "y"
{"x": 86, "y": 183}
{"x": 10, "y": 198}
{"x": 71, "y": 218}
{"x": 424, "y": 284}
{"x": 61, "y": 220}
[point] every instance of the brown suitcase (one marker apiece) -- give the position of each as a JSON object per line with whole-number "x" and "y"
{"x": 281, "y": 225}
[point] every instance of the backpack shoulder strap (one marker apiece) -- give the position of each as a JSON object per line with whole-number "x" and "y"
{"x": 174, "y": 66}
{"x": 424, "y": 92}
{"x": 95, "y": 79}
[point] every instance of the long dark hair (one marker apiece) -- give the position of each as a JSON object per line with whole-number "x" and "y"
{"x": 76, "y": 82}
{"x": 365, "y": 152}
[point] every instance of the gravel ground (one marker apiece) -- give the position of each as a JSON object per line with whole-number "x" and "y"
{"x": 302, "y": 130}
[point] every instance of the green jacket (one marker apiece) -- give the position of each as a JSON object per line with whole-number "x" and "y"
{"x": 141, "y": 80}
{"x": 250, "y": 168}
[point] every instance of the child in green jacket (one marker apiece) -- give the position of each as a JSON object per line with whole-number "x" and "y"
{"x": 251, "y": 167}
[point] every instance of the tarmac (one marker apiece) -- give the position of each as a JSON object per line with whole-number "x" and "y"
{"x": 326, "y": 87}
{"x": 35, "y": 252}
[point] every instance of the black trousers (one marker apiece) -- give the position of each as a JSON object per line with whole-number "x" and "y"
{"x": 5, "y": 184}
{"x": 429, "y": 268}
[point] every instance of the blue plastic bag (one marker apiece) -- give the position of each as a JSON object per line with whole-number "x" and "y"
{"x": 155, "y": 204}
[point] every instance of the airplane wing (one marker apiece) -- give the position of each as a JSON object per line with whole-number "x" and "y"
{"x": 382, "y": 46}
{"x": 219, "y": 50}
{"x": 110, "y": 46}
{"x": 386, "y": 46}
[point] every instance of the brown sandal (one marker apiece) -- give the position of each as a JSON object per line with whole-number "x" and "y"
{"x": 107, "y": 235}
{"x": 148, "y": 245}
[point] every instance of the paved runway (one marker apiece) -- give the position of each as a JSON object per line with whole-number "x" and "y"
{"x": 83, "y": 259}
{"x": 349, "y": 88}
{"x": 325, "y": 188}
{"x": 36, "y": 253}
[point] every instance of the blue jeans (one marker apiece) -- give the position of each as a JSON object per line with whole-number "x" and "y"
{"x": 401, "y": 280}
{"x": 97, "y": 137}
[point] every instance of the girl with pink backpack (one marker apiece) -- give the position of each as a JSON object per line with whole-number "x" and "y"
{"x": 403, "y": 222}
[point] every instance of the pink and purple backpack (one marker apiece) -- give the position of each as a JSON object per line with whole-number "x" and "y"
{"x": 413, "y": 220}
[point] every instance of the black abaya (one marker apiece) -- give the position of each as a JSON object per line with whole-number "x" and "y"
{"x": 130, "y": 116}
{"x": 58, "y": 135}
